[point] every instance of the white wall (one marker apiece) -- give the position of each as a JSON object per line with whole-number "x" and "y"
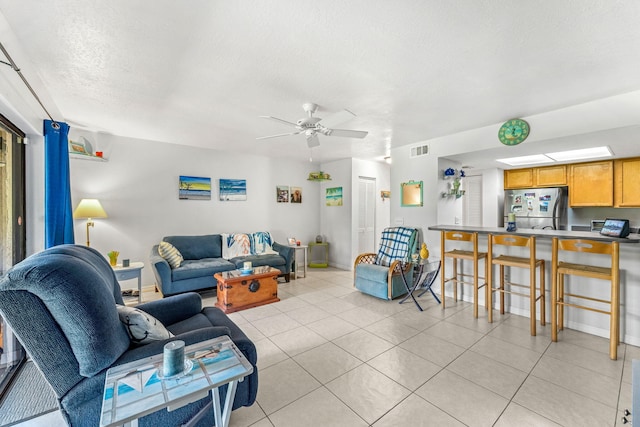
{"x": 138, "y": 188}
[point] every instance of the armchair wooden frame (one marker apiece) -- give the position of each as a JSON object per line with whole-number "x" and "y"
{"x": 394, "y": 269}
{"x": 612, "y": 274}
{"x": 458, "y": 277}
{"x": 520, "y": 262}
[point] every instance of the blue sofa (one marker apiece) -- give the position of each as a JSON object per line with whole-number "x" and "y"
{"x": 61, "y": 304}
{"x": 203, "y": 258}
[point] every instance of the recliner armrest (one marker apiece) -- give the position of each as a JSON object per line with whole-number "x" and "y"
{"x": 173, "y": 309}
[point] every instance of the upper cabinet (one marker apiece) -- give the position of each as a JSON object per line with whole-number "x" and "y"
{"x": 550, "y": 176}
{"x": 591, "y": 184}
{"x": 518, "y": 178}
{"x": 627, "y": 183}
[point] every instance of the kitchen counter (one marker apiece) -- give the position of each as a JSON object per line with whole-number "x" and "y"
{"x": 581, "y": 320}
{"x": 539, "y": 233}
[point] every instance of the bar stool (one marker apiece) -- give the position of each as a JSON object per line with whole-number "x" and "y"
{"x": 457, "y": 254}
{"x": 612, "y": 274}
{"x": 529, "y": 262}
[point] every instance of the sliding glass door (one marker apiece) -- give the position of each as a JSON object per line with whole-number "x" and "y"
{"x": 12, "y": 231}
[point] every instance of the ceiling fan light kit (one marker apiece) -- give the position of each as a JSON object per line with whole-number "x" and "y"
{"x": 311, "y": 126}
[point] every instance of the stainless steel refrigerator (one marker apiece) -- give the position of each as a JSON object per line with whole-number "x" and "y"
{"x": 542, "y": 208}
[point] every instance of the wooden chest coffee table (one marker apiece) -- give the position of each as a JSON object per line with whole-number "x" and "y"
{"x": 237, "y": 291}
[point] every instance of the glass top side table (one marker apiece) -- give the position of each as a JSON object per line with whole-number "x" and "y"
{"x": 136, "y": 389}
{"x": 425, "y": 273}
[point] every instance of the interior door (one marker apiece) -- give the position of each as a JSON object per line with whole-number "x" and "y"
{"x": 366, "y": 214}
{"x": 472, "y": 201}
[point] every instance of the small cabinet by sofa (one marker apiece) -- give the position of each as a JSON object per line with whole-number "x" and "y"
{"x": 627, "y": 183}
{"x": 550, "y": 176}
{"x": 591, "y": 184}
{"x": 518, "y": 178}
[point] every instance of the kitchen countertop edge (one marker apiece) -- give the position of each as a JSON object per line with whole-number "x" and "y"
{"x": 545, "y": 234}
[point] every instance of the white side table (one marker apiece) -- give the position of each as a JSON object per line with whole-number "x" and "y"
{"x": 133, "y": 271}
{"x": 303, "y": 249}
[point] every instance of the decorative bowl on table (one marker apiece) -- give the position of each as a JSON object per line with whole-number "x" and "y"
{"x": 246, "y": 271}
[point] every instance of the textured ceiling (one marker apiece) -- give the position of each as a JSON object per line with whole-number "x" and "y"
{"x": 201, "y": 72}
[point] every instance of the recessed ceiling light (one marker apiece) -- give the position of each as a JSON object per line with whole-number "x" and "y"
{"x": 584, "y": 153}
{"x": 526, "y": 160}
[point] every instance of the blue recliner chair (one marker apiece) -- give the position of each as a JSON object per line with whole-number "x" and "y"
{"x": 61, "y": 304}
{"x": 380, "y": 275}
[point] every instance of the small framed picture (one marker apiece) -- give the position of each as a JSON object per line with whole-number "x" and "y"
{"x": 292, "y": 241}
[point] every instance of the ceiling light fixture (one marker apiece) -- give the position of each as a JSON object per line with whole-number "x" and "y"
{"x": 526, "y": 160}
{"x": 581, "y": 154}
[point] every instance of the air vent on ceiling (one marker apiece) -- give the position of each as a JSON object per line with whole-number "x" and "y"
{"x": 419, "y": 150}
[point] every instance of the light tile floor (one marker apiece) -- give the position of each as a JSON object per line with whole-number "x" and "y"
{"x": 329, "y": 355}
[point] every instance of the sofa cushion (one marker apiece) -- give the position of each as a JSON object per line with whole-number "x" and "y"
{"x": 170, "y": 254}
{"x": 199, "y": 268}
{"x": 372, "y": 272}
{"x": 261, "y": 242}
{"x": 197, "y": 247}
{"x": 142, "y": 327}
{"x": 237, "y": 244}
{"x": 274, "y": 260}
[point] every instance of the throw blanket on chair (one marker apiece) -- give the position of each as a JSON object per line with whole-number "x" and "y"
{"x": 394, "y": 244}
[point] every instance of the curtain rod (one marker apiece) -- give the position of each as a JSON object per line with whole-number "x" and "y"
{"x": 15, "y": 68}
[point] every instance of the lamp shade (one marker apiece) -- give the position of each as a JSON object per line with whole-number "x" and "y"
{"x": 89, "y": 208}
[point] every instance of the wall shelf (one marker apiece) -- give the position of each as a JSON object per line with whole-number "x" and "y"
{"x": 87, "y": 157}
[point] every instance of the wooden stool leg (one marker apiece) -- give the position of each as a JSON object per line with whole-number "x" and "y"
{"x": 554, "y": 305}
{"x": 543, "y": 313}
{"x": 532, "y": 300}
{"x": 489, "y": 300}
{"x": 455, "y": 279}
{"x": 486, "y": 285}
{"x": 561, "y": 300}
{"x": 501, "y": 289}
{"x": 614, "y": 322}
{"x": 475, "y": 288}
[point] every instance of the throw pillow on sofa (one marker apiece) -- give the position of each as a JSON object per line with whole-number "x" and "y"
{"x": 141, "y": 326}
{"x": 261, "y": 243}
{"x": 234, "y": 245}
{"x": 171, "y": 254}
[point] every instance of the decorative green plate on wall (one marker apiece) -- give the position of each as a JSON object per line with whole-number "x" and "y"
{"x": 513, "y": 132}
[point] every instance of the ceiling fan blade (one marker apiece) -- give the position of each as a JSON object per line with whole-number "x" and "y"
{"x": 312, "y": 140}
{"x": 337, "y": 118}
{"x": 281, "y": 134}
{"x": 347, "y": 133}
{"x": 280, "y": 121}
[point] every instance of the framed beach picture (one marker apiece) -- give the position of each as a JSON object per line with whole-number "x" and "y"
{"x": 233, "y": 189}
{"x": 194, "y": 188}
{"x": 334, "y": 196}
{"x": 296, "y": 194}
{"x": 282, "y": 194}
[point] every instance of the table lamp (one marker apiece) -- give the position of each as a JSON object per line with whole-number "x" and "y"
{"x": 87, "y": 209}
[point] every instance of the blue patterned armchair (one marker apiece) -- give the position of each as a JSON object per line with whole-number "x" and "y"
{"x": 61, "y": 304}
{"x": 380, "y": 275}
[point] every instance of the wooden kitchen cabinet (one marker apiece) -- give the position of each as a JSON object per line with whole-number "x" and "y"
{"x": 550, "y": 176}
{"x": 626, "y": 183}
{"x": 591, "y": 184}
{"x": 518, "y": 178}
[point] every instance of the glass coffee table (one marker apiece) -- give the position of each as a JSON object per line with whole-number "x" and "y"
{"x": 137, "y": 388}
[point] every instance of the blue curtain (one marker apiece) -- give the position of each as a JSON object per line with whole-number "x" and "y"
{"x": 58, "y": 217}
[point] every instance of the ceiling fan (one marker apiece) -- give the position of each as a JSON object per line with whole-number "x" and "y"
{"x": 312, "y": 126}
